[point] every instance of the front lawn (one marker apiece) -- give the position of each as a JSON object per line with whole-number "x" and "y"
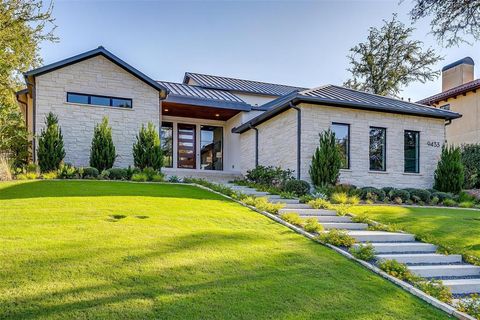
{"x": 115, "y": 250}
{"x": 454, "y": 228}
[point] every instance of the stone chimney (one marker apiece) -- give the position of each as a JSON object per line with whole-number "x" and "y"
{"x": 457, "y": 73}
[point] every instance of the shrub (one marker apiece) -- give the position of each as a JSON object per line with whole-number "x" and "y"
{"x": 449, "y": 175}
{"x": 306, "y": 198}
{"x": 442, "y": 196}
{"x": 287, "y": 195}
{"x": 339, "y": 198}
{"x": 50, "y": 175}
{"x": 379, "y": 193}
{"x": 67, "y": 171}
{"x": 396, "y": 269}
{"x": 27, "y": 176}
{"x": 174, "y": 179}
{"x": 320, "y": 204}
{"x": 149, "y": 172}
{"x": 342, "y": 209}
{"x": 90, "y": 172}
{"x": 262, "y": 204}
{"x": 364, "y": 252}
{"x": 270, "y": 176}
{"x": 470, "y": 305}
{"x": 147, "y": 152}
{"x": 159, "y": 177}
{"x": 470, "y": 155}
{"x": 297, "y": 187}
{"x": 32, "y": 168}
{"x": 5, "y": 170}
{"x": 349, "y": 189}
{"x": 139, "y": 177}
{"x": 434, "y": 201}
{"x": 434, "y": 288}
{"x": 387, "y": 190}
{"x": 399, "y": 193}
{"x": 398, "y": 200}
{"x": 326, "y": 161}
{"x": 353, "y": 200}
{"x": 293, "y": 218}
{"x": 312, "y": 225}
{"x": 464, "y": 196}
{"x": 50, "y": 145}
{"x": 449, "y": 203}
{"x": 423, "y": 195}
{"x": 337, "y": 238}
{"x": 466, "y": 204}
{"x": 118, "y": 174}
{"x": 102, "y": 151}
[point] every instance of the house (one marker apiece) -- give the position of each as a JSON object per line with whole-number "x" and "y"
{"x": 219, "y": 127}
{"x": 459, "y": 94}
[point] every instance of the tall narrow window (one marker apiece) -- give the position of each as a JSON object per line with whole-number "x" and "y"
{"x": 377, "y": 150}
{"x": 342, "y": 136}
{"x": 411, "y": 152}
{"x": 166, "y": 139}
{"x": 211, "y": 148}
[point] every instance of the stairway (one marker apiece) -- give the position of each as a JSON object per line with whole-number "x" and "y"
{"x": 421, "y": 258}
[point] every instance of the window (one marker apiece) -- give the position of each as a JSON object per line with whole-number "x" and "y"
{"x": 99, "y": 100}
{"x": 211, "y": 150}
{"x": 166, "y": 140}
{"x": 411, "y": 149}
{"x": 377, "y": 148}
{"x": 342, "y": 136}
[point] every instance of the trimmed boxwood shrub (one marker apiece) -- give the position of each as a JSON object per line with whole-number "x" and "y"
{"x": 387, "y": 190}
{"x": 400, "y": 193}
{"x": 298, "y": 187}
{"x": 442, "y": 196}
{"x": 422, "y": 194}
{"x": 118, "y": 174}
{"x": 378, "y": 192}
{"x": 89, "y": 173}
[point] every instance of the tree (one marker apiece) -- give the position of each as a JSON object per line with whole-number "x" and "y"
{"x": 24, "y": 24}
{"x": 390, "y": 60}
{"x": 471, "y": 164}
{"x": 50, "y": 145}
{"x": 449, "y": 174}
{"x": 451, "y": 21}
{"x": 147, "y": 152}
{"x": 102, "y": 151}
{"x": 326, "y": 161}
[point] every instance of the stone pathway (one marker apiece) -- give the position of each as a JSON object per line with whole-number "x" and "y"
{"x": 421, "y": 258}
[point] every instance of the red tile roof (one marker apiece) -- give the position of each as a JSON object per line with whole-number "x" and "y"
{"x": 453, "y": 92}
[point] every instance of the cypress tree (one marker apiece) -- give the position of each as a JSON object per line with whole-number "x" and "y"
{"x": 102, "y": 151}
{"x": 50, "y": 145}
{"x": 326, "y": 161}
{"x": 449, "y": 175}
{"x": 147, "y": 152}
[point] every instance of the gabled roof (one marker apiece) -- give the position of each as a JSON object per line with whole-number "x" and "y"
{"x": 453, "y": 92}
{"x": 239, "y": 85}
{"x": 337, "y": 96}
{"x": 193, "y": 95}
{"x": 100, "y": 51}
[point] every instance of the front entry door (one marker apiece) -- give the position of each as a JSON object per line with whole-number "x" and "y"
{"x": 186, "y": 146}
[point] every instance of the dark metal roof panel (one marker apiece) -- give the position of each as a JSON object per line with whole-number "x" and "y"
{"x": 240, "y": 85}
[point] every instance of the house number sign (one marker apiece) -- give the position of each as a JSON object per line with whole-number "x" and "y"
{"x": 434, "y": 144}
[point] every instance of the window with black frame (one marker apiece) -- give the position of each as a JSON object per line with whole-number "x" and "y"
{"x": 166, "y": 140}
{"x": 342, "y": 136}
{"x": 411, "y": 151}
{"x": 211, "y": 148}
{"x": 99, "y": 100}
{"x": 377, "y": 149}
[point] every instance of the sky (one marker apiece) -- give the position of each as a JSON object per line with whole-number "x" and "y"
{"x": 300, "y": 43}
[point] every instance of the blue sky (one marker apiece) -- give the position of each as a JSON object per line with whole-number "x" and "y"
{"x": 302, "y": 43}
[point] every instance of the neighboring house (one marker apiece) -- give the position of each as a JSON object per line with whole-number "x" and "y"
{"x": 459, "y": 94}
{"x": 219, "y": 127}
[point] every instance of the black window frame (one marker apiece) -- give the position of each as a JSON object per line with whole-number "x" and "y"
{"x": 348, "y": 142}
{"x": 417, "y": 147}
{"x": 89, "y": 96}
{"x": 167, "y": 124}
{"x": 385, "y": 149}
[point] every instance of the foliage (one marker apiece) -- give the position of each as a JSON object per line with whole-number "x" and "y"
{"x": 149, "y": 172}
{"x": 326, "y": 161}
{"x": 434, "y": 201}
{"x": 298, "y": 187}
{"x": 466, "y": 204}
{"x": 338, "y": 238}
{"x": 269, "y": 176}
{"x": 442, "y": 196}
{"x": 449, "y": 202}
{"x": 5, "y": 170}
{"x": 390, "y": 60}
{"x": 471, "y": 162}
{"x": 353, "y": 200}
{"x": 67, "y": 171}
{"x": 262, "y": 204}
{"x": 434, "y": 288}
{"x": 90, "y": 173}
{"x": 174, "y": 179}
{"x": 470, "y": 305}
{"x": 396, "y": 269}
{"x": 159, "y": 177}
{"x": 215, "y": 187}
{"x": 50, "y": 145}
{"x": 400, "y": 193}
{"x": 306, "y": 198}
{"x": 118, "y": 174}
{"x": 423, "y": 195}
{"x": 292, "y": 218}
{"x": 449, "y": 175}
{"x": 27, "y": 176}
{"x": 365, "y": 191}
{"x": 364, "y": 252}
{"x": 147, "y": 151}
{"x": 139, "y": 177}
{"x": 342, "y": 209}
{"x": 349, "y": 189}
{"x": 102, "y": 151}
{"x": 50, "y": 175}
{"x": 312, "y": 225}
{"x": 287, "y": 195}
{"x": 320, "y": 203}
{"x": 339, "y": 198}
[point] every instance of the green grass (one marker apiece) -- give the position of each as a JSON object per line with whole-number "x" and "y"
{"x": 116, "y": 250}
{"x": 454, "y": 228}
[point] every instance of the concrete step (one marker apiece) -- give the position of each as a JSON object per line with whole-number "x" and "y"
{"x": 322, "y": 219}
{"x": 273, "y": 196}
{"x": 281, "y": 200}
{"x": 309, "y": 212}
{"x": 297, "y": 206}
{"x": 463, "y": 286}
{"x": 381, "y": 236}
{"x": 425, "y": 258}
{"x": 399, "y": 247}
{"x": 448, "y": 270}
{"x": 256, "y": 193}
{"x": 344, "y": 225}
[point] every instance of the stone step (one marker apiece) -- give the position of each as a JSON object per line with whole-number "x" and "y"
{"x": 344, "y": 225}
{"x": 424, "y": 258}
{"x": 463, "y": 286}
{"x": 309, "y": 212}
{"x": 273, "y": 196}
{"x": 322, "y": 219}
{"x": 400, "y": 247}
{"x": 281, "y": 200}
{"x": 448, "y": 270}
{"x": 297, "y": 206}
{"x": 257, "y": 193}
{"x": 381, "y": 236}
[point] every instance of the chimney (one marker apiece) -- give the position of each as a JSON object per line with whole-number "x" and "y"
{"x": 457, "y": 73}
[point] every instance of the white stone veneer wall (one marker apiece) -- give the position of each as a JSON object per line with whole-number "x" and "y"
{"x": 102, "y": 77}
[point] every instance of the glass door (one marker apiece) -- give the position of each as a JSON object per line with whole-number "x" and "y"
{"x": 186, "y": 146}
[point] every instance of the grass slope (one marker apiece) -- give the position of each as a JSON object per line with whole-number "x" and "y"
{"x": 455, "y": 228}
{"x": 110, "y": 250}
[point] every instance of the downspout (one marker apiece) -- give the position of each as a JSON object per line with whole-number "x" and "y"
{"x": 447, "y": 122}
{"x": 256, "y": 144}
{"x": 299, "y": 137}
{"x": 34, "y": 120}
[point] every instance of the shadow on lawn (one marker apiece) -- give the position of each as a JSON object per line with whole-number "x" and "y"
{"x": 91, "y": 188}
{"x": 273, "y": 285}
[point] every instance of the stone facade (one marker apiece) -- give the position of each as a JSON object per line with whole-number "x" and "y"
{"x": 98, "y": 76}
{"x": 278, "y": 145}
